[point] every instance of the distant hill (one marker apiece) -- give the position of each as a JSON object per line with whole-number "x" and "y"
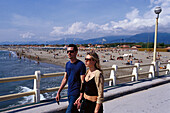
{"x": 22, "y": 42}
{"x": 149, "y": 37}
{"x": 142, "y": 37}
{"x": 66, "y": 41}
{"x": 100, "y": 40}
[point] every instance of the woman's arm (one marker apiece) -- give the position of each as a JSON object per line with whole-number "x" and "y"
{"x": 78, "y": 101}
{"x": 99, "y": 79}
{"x": 96, "y": 110}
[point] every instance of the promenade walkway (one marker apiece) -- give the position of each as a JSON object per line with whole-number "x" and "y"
{"x": 147, "y": 96}
{"x": 153, "y": 100}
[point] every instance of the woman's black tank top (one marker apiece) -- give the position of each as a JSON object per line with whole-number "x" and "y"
{"x": 90, "y": 87}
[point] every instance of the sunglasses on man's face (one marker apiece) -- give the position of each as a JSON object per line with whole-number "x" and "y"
{"x": 88, "y": 59}
{"x": 70, "y": 51}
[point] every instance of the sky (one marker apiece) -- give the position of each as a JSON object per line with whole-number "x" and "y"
{"x": 47, "y": 20}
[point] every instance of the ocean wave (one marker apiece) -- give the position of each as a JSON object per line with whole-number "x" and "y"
{"x": 3, "y": 50}
{"x": 3, "y": 58}
{"x": 27, "y": 99}
{"x": 13, "y": 54}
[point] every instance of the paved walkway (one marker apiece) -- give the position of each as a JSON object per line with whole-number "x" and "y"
{"x": 153, "y": 100}
{"x": 149, "y": 96}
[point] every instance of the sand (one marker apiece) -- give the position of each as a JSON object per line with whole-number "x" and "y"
{"x": 59, "y": 57}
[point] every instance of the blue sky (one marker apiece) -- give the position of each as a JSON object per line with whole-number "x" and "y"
{"x": 44, "y": 20}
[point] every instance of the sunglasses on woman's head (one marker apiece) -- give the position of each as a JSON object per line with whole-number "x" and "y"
{"x": 88, "y": 59}
{"x": 71, "y": 51}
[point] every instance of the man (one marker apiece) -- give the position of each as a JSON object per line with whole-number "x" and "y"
{"x": 74, "y": 74}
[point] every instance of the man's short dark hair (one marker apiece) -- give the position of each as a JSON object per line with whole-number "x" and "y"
{"x": 73, "y": 45}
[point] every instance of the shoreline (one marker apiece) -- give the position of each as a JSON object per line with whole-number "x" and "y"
{"x": 59, "y": 57}
{"x": 34, "y": 55}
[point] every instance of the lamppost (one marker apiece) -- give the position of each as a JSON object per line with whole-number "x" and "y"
{"x": 157, "y": 11}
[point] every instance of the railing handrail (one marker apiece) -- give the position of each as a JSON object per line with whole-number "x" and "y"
{"x": 142, "y": 65}
{"x": 164, "y": 63}
{"x": 29, "y": 77}
{"x": 153, "y": 70}
{"x": 124, "y": 67}
{"x": 16, "y": 95}
{"x": 52, "y": 74}
{"x": 17, "y": 78}
{"x": 106, "y": 69}
{"x": 51, "y": 89}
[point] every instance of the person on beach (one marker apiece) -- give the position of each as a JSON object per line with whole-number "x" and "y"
{"x": 74, "y": 74}
{"x": 92, "y": 87}
{"x": 9, "y": 55}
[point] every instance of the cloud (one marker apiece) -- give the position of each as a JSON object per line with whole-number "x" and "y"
{"x": 75, "y": 28}
{"x": 57, "y": 31}
{"x": 133, "y": 14}
{"x": 32, "y": 24}
{"x": 23, "y": 21}
{"x": 162, "y": 3}
{"x": 133, "y": 23}
{"x": 125, "y": 26}
{"x": 27, "y": 35}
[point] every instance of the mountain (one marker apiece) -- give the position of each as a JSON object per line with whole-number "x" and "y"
{"x": 142, "y": 37}
{"x": 100, "y": 40}
{"x": 149, "y": 37}
{"x": 106, "y": 39}
{"x": 22, "y": 42}
{"x": 66, "y": 41}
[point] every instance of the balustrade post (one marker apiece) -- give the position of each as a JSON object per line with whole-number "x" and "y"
{"x": 135, "y": 72}
{"x": 168, "y": 67}
{"x": 156, "y": 64}
{"x": 37, "y": 86}
{"x": 152, "y": 70}
{"x": 113, "y": 75}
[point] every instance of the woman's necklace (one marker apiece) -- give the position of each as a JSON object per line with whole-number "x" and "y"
{"x": 90, "y": 74}
{"x": 88, "y": 77}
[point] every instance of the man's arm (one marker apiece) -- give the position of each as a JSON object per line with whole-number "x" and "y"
{"x": 82, "y": 78}
{"x": 77, "y": 102}
{"x": 63, "y": 83}
{"x": 82, "y": 81}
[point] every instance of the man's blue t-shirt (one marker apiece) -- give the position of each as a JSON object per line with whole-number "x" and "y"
{"x": 74, "y": 71}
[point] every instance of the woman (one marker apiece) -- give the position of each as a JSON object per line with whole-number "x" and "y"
{"x": 92, "y": 87}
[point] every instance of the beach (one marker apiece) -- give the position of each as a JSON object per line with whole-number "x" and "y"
{"x": 108, "y": 57}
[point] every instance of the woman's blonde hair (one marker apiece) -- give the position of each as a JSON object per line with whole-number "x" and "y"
{"x": 96, "y": 58}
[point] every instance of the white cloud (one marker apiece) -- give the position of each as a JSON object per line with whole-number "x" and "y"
{"x": 77, "y": 27}
{"x": 27, "y": 35}
{"x": 133, "y": 14}
{"x": 105, "y": 28}
{"x": 57, "y": 31}
{"x": 132, "y": 24}
{"x": 92, "y": 27}
{"x": 163, "y": 3}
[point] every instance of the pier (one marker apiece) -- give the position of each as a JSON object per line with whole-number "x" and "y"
{"x": 111, "y": 92}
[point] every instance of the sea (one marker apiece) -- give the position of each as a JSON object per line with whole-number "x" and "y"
{"x": 12, "y": 66}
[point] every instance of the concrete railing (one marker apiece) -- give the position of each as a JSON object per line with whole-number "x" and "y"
{"x": 153, "y": 71}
